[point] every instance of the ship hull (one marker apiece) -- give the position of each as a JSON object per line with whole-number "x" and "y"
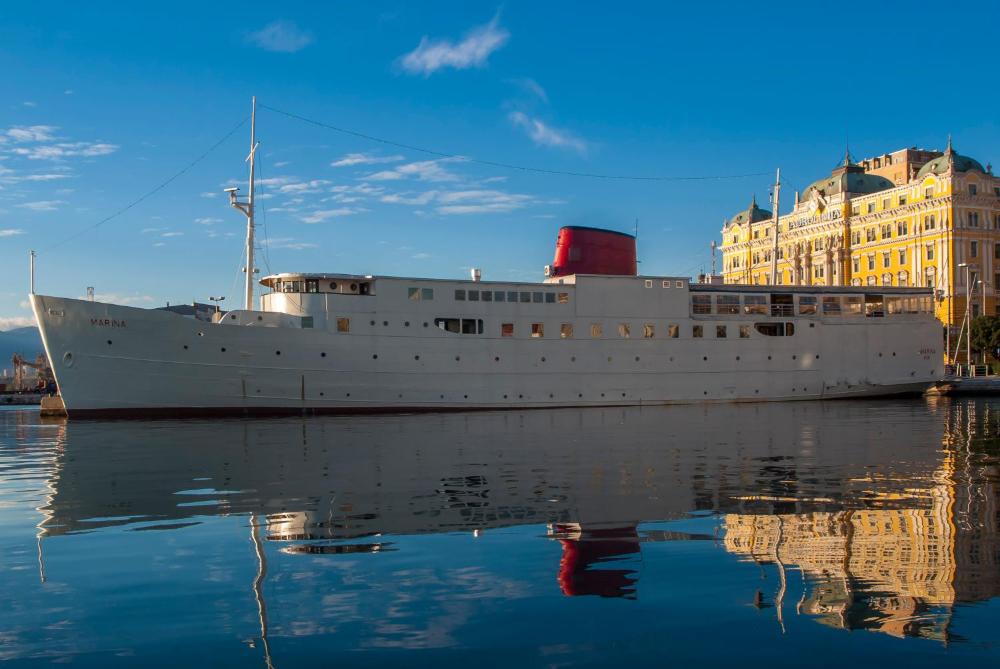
{"x": 112, "y": 360}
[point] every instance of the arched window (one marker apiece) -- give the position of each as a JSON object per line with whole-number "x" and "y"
{"x": 903, "y": 278}
{"x": 872, "y": 280}
{"x": 887, "y": 279}
{"x": 855, "y": 281}
{"x": 930, "y": 278}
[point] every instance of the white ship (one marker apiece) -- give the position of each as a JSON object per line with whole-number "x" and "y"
{"x": 592, "y": 333}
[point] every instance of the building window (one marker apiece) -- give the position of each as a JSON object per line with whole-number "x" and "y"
{"x": 973, "y": 219}
{"x": 996, "y": 254}
{"x": 343, "y": 325}
{"x": 566, "y": 330}
{"x": 648, "y": 331}
{"x": 856, "y": 237}
{"x": 506, "y": 329}
{"x": 596, "y": 330}
{"x": 930, "y": 251}
{"x": 856, "y": 264}
{"x": 871, "y": 261}
{"x": 902, "y": 200}
{"x": 460, "y": 295}
{"x": 697, "y": 331}
{"x": 744, "y": 332}
{"x": 872, "y": 280}
{"x": 624, "y": 330}
{"x": 871, "y": 208}
{"x": 887, "y": 231}
{"x": 973, "y": 249}
{"x": 538, "y": 330}
{"x": 972, "y": 189}
{"x": 902, "y": 228}
{"x": 870, "y": 235}
{"x": 975, "y": 310}
{"x": 887, "y": 279}
{"x": 885, "y": 259}
{"x": 885, "y": 203}
{"x": 902, "y": 256}
{"x": 674, "y": 331}
{"x": 929, "y": 192}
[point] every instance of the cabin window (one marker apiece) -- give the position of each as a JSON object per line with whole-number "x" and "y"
{"x": 498, "y": 296}
{"x": 679, "y": 284}
{"x": 460, "y": 325}
{"x": 550, "y": 298}
{"x": 307, "y": 321}
{"x": 673, "y": 331}
{"x": 744, "y": 332}
{"x": 775, "y": 329}
{"x": 701, "y": 304}
{"x": 697, "y": 331}
{"x": 648, "y": 331}
{"x": 526, "y": 297}
{"x": 291, "y": 287}
{"x": 727, "y": 304}
{"x": 807, "y": 305}
{"x": 538, "y": 330}
{"x": 426, "y": 293}
{"x": 506, "y": 329}
{"x": 512, "y": 296}
{"x": 720, "y": 331}
{"x": 596, "y": 330}
{"x": 460, "y": 294}
{"x": 343, "y": 325}
{"x": 562, "y": 298}
{"x": 831, "y": 306}
{"x": 473, "y": 296}
{"x": 874, "y": 306}
{"x": 781, "y": 304}
{"x": 413, "y": 293}
{"x": 624, "y": 330}
{"x": 487, "y": 296}
{"x": 755, "y": 304}
{"x": 566, "y": 330}
{"x": 472, "y": 326}
{"x": 853, "y": 305}
{"x": 312, "y": 286}
{"x": 649, "y": 283}
{"x": 666, "y": 284}
{"x": 536, "y": 298}
{"x": 894, "y": 305}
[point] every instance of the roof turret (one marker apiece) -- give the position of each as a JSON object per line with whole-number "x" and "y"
{"x": 956, "y": 162}
{"x": 751, "y": 214}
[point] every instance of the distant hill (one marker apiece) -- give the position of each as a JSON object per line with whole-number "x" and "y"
{"x": 25, "y": 341}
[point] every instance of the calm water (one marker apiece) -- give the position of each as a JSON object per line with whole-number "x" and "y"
{"x": 748, "y": 535}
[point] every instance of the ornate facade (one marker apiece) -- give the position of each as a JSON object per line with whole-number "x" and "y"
{"x": 908, "y": 218}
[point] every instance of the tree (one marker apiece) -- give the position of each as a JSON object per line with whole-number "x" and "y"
{"x": 986, "y": 335}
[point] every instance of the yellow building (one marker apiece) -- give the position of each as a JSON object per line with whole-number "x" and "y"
{"x": 909, "y": 218}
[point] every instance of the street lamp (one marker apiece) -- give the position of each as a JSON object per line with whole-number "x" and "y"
{"x": 970, "y": 272}
{"x": 217, "y": 300}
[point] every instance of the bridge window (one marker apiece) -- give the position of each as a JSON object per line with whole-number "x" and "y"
{"x": 460, "y": 294}
{"x": 562, "y": 298}
{"x": 701, "y": 304}
{"x": 697, "y": 331}
{"x": 312, "y": 286}
{"x": 487, "y": 296}
{"x": 673, "y": 331}
{"x": 512, "y": 296}
{"x": 720, "y": 331}
{"x": 596, "y": 330}
{"x": 624, "y": 330}
{"x": 343, "y": 325}
{"x": 727, "y": 304}
{"x": 536, "y": 298}
{"x": 550, "y": 298}
{"x": 648, "y": 331}
{"x": 755, "y": 304}
{"x": 874, "y": 306}
{"x": 538, "y": 330}
{"x": 566, "y": 330}
{"x": 807, "y": 305}
{"x": 473, "y": 296}
{"x": 525, "y": 297}
{"x": 775, "y": 329}
{"x": 460, "y": 325}
{"x": 831, "y": 306}
{"x": 507, "y": 330}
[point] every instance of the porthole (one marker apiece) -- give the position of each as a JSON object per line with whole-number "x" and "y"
{"x": 406, "y": 324}
{"x": 768, "y": 357}
{"x": 385, "y": 323}
{"x": 602, "y": 394}
{"x": 894, "y": 354}
{"x": 580, "y": 395}
{"x": 457, "y": 358}
{"x": 879, "y": 355}
{"x": 705, "y": 393}
{"x": 277, "y": 352}
{"x": 416, "y": 357}
{"x": 543, "y": 358}
{"x": 323, "y": 354}
{"x": 425, "y": 323}
{"x": 704, "y": 357}
{"x": 794, "y": 357}
{"x": 505, "y": 397}
{"x": 671, "y": 358}
{"x": 817, "y": 357}
{"x": 465, "y": 396}
{"x": 520, "y": 397}
{"x": 333, "y": 285}
{"x": 623, "y": 394}
{"x": 68, "y": 358}
{"x": 185, "y": 347}
{"x": 609, "y": 358}
{"x": 496, "y": 359}
{"x": 637, "y": 358}
{"x": 354, "y": 286}
{"x": 551, "y": 396}
{"x": 442, "y": 397}
{"x": 321, "y": 393}
{"x": 374, "y": 356}
{"x": 572, "y": 358}
{"x": 372, "y": 322}
{"x": 201, "y": 334}
{"x": 260, "y": 318}
{"x": 232, "y": 316}
{"x": 348, "y": 394}
{"x": 756, "y": 392}
{"x": 737, "y": 358}
{"x": 223, "y": 349}
{"x": 109, "y": 342}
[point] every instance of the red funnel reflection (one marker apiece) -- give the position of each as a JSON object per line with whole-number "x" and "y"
{"x": 585, "y": 549}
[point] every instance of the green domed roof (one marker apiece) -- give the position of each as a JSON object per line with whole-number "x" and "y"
{"x": 752, "y": 215}
{"x": 847, "y": 182}
{"x": 958, "y": 162}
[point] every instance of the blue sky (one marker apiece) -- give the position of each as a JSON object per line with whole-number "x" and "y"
{"x": 102, "y": 103}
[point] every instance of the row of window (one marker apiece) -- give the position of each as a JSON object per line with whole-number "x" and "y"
{"x": 809, "y": 305}
{"x": 536, "y": 297}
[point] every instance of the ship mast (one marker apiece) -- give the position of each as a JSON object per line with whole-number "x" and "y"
{"x": 774, "y": 251}
{"x": 247, "y": 207}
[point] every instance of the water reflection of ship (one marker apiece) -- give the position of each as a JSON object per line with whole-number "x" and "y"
{"x": 592, "y": 476}
{"x": 898, "y": 571}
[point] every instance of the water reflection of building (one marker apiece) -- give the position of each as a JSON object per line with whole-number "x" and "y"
{"x": 894, "y": 570}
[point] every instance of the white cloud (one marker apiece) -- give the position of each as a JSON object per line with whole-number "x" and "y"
{"x": 364, "y": 159}
{"x": 13, "y": 322}
{"x": 29, "y": 103}
{"x": 424, "y": 170}
{"x": 172, "y": 234}
{"x": 290, "y": 244}
{"x": 42, "y": 205}
{"x": 68, "y": 91}
{"x": 66, "y": 150}
{"x": 421, "y": 256}
{"x": 146, "y": 231}
{"x": 282, "y": 163}
{"x": 10, "y": 232}
{"x": 313, "y": 186}
{"x": 321, "y": 215}
{"x": 280, "y": 36}
{"x": 32, "y": 133}
{"x": 545, "y": 135}
{"x": 42, "y": 177}
{"x": 533, "y": 87}
{"x": 471, "y": 51}
{"x": 420, "y": 199}
{"x": 473, "y": 201}
{"x": 207, "y": 221}
{"x": 209, "y": 194}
